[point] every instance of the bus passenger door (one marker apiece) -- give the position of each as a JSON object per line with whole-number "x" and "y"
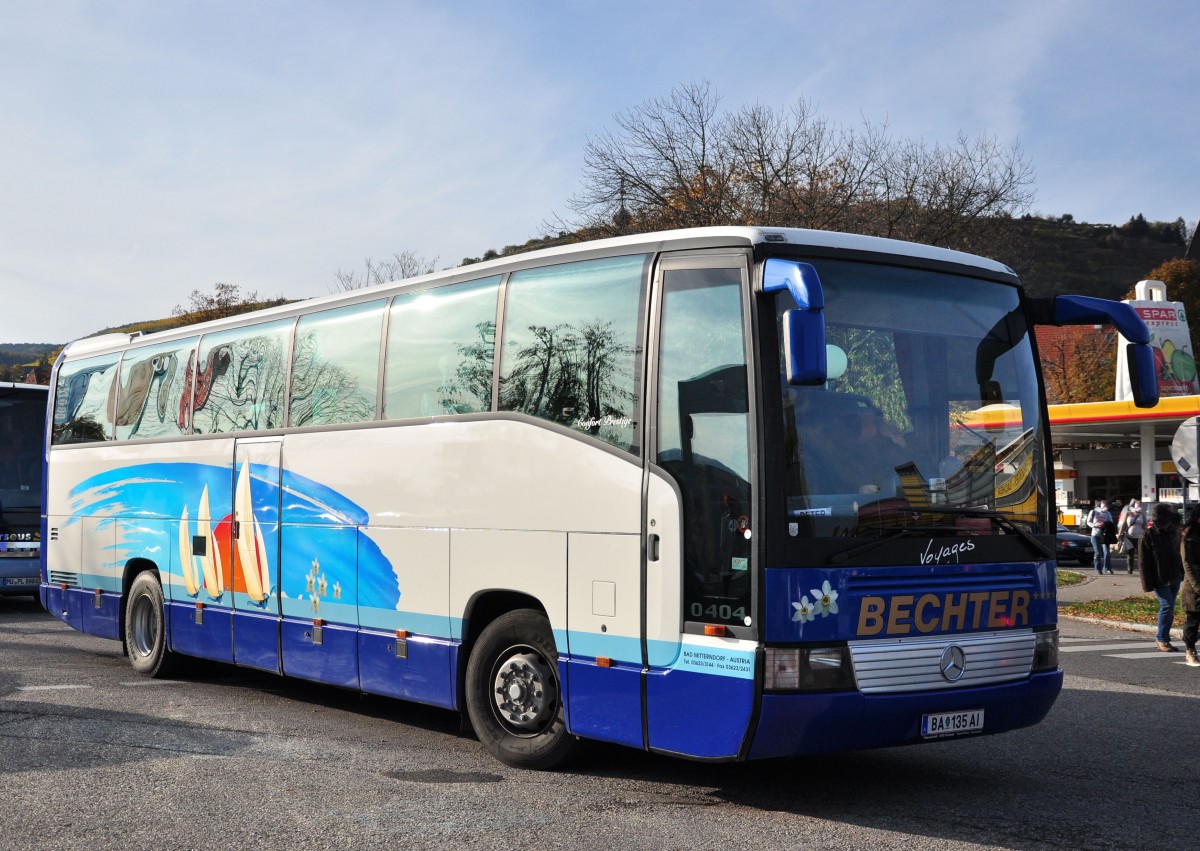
{"x": 254, "y": 557}
{"x": 699, "y": 639}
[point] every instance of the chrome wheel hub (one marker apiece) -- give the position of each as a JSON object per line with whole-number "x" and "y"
{"x": 526, "y": 695}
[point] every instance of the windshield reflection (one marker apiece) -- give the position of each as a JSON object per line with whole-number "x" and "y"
{"x": 936, "y": 410}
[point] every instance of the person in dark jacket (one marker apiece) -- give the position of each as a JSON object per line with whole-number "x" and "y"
{"x": 1162, "y": 568}
{"x": 1190, "y": 593}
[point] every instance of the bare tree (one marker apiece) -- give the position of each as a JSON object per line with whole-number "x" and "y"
{"x": 680, "y": 161}
{"x": 405, "y": 264}
{"x": 224, "y": 300}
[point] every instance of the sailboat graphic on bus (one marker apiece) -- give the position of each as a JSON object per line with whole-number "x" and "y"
{"x": 205, "y": 551}
{"x": 251, "y": 549}
{"x": 210, "y": 568}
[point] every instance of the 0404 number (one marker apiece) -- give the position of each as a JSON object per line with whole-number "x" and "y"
{"x": 715, "y": 612}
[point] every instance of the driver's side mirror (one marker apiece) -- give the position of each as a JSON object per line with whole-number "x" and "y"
{"x": 1143, "y": 374}
{"x": 804, "y": 354}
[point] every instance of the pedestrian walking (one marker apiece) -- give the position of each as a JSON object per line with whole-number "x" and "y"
{"x": 1130, "y": 529}
{"x": 1190, "y": 590}
{"x": 1102, "y": 526}
{"x": 1162, "y": 568}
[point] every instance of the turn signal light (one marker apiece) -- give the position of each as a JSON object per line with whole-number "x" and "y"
{"x": 715, "y": 629}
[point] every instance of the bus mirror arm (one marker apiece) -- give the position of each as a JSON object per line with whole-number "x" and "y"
{"x": 1086, "y": 310}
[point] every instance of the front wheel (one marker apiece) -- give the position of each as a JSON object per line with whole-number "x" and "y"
{"x": 145, "y": 628}
{"x": 514, "y": 696}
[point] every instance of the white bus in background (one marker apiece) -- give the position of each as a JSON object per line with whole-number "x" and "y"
{"x": 22, "y": 442}
{"x": 721, "y": 493}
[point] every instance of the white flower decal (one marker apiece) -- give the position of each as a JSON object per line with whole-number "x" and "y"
{"x": 804, "y": 610}
{"x": 826, "y": 599}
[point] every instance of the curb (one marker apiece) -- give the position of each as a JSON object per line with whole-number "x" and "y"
{"x": 1134, "y": 627}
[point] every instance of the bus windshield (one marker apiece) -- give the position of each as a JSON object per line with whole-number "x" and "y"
{"x": 930, "y": 419}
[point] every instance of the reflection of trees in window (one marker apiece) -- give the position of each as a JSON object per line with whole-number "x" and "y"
{"x": 581, "y": 377}
{"x": 470, "y": 390}
{"x": 325, "y": 392}
{"x": 241, "y": 387}
{"x": 872, "y": 371}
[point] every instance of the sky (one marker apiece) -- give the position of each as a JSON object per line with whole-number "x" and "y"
{"x": 150, "y": 149}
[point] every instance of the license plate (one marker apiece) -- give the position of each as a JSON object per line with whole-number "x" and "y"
{"x": 22, "y": 580}
{"x": 938, "y": 724}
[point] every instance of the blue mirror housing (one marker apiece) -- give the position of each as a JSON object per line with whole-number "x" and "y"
{"x": 804, "y": 347}
{"x": 1143, "y": 374}
{"x": 804, "y": 326}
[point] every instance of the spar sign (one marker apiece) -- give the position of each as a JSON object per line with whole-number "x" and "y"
{"x": 1169, "y": 338}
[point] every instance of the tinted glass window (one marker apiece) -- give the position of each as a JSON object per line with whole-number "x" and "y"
{"x": 335, "y": 367}
{"x": 704, "y": 437}
{"x": 22, "y": 435}
{"x": 571, "y": 349}
{"x": 83, "y": 400}
{"x": 155, "y": 398}
{"x": 440, "y": 349}
{"x": 241, "y": 377}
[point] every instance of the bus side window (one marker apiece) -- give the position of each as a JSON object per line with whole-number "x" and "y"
{"x": 240, "y": 378}
{"x": 153, "y": 382}
{"x": 570, "y": 350}
{"x": 335, "y": 366}
{"x": 440, "y": 348}
{"x": 84, "y": 399}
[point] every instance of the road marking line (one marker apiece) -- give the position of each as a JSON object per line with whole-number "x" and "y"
{"x": 138, "y": 683}
{"x": 1154, "y": 654}
{"x": 1125, "y": 645}
{"x": 49, "y": 688}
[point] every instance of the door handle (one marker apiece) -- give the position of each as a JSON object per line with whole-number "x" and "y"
{"x": 652, "y": 547}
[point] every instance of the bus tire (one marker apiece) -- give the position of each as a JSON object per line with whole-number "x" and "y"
{"x": 145, "y": 627}
{"x": 514, "y": 695}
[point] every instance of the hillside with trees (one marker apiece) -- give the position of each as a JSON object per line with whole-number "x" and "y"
{"x": 685, "y": 160}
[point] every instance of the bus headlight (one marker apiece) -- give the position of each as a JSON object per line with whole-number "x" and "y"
{"x": 1045, "y": 650}
{"x": 808, "y": 669}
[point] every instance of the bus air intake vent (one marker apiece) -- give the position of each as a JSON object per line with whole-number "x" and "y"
{"x": 60, "y": 577}
{"x": 921, "y": 664}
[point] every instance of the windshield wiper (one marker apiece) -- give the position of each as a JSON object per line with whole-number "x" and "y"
{"x": 904, "y": 532}
{"x": 1002, "y": 520}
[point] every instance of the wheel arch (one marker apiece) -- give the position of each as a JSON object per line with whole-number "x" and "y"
{"x": 483, "y": 608}
{"x": 133, "y": 568}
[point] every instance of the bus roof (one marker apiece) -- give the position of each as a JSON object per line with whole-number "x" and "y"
{"x": 673, "y": 240}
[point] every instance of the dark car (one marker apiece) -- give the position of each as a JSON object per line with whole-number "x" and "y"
{"x": 1072, "y": 547}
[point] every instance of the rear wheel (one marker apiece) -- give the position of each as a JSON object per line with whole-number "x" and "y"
{"x": 145, "y": 628}
{"x": 514, "y": 696}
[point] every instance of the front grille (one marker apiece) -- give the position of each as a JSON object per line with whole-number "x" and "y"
{"x": 61, "y": 577}
{"x": 914, "y": 664}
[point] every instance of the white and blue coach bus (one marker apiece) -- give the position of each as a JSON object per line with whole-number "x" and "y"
{"x": 726, "y": 493}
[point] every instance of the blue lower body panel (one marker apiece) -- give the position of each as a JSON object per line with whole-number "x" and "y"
{"x": 425, "y": 672}
{"x": 103, "y": 620}
{"x": 333, "y": 658}
{"x": 256, "y": 640}
{"x": 605, "y": 703}
{"x": 206, "y": 633}
{"x": 792, "y": 724}
{"x": 698, "y": 715}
